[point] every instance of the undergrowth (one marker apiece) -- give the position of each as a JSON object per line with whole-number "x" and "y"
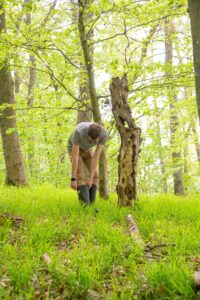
{"x": 91, "y": 252}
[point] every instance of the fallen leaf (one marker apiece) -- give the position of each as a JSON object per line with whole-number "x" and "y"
{"x": 4, "y": 282}
{"x": 94, "y": 295}
{"x": 45, "y": 257}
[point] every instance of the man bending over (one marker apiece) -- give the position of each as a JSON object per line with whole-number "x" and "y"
{"x": 84, "y": 173}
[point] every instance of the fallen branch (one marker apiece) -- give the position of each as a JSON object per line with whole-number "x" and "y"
{"x": 133, "y": 229}
{"x": 150, "y": 246}
{"x": 16, "y": 221}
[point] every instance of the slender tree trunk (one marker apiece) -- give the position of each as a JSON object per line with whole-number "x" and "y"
{"x": 88, "y": 62}
{"x": 103, "y": 184}
{"x": 31, "y": 85}
{"x": 15, "y": 169}
{"x": 196, "y": 142}
{"x": 194, "y": 12}
{"x": 160, "y": 151}
{"x": 17, "y": 77}
{"x": 130, "y": 142}
{"x": 32, "y": 80}
{"x": 162, "y": 162}
{"x": 176, "y": 155}
{"x": 32, "y": 60}
{"x": 186, "y": 154}
{"x": 85, "y": 113}
{"x": 17, "y": 82}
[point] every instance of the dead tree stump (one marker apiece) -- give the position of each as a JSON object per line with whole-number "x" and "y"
{"x": 130, "y": 142}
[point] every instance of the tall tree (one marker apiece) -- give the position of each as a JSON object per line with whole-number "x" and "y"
{"x": 194, "y": 12}
{"x": 31, "y": 85}
{"x": 15, "y": 169}
{"x": 85, "y": 113}
{"x": 176, "y": 154}
{"x": 32, "y": 61}
{"x": 196, "y": 140}
{"x": 103, "y": 184}
{"x": 160, "y": 150}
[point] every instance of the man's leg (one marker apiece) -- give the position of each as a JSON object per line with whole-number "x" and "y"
{"x": 92, "y": 192}
{"x": 82, "y": 189}
{"x": 83, "y": 194}
{"x": 87, "y": 160}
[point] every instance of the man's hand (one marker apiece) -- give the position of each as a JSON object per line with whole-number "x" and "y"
{"x": 74, "y": 185}
{"x": 90, "y": 182}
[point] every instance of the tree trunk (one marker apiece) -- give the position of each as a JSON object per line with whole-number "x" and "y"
{"x": 176, "y": 155}
{"x": 31, "y": 85}
{"x": 196, "y": 141}
{"x": 194, "y": 12}
{"x": 130, "y": 142}
{"x": 32, "y": 80}
{"x": 31, "y": 141}
{"x": 85, "y": 113}
{"x": 15, "y": 169}
{"x": 160, "y": 150}
{"x": 161, "y": 157}
{"x": 17, "y": 82}
{"x": 32, "y": 60}
{"x": 103, "y": 184}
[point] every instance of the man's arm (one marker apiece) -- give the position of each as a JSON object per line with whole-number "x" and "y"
{"x": 94, "y": 162}
{"x": 75, "y": 156}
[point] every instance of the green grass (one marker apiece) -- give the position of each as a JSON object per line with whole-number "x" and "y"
{"x": 92, "y": 255}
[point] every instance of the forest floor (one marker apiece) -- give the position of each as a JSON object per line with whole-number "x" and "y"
{"x": 53, "y": 248}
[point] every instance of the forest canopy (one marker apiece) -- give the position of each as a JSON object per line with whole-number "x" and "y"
{"x": 149, "y": 41}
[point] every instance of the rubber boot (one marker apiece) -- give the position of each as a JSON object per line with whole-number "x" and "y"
{"x": 92, "y": 192}
{"x": 83, "y": 194}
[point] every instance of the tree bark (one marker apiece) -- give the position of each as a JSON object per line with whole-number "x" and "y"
{"x": 186, "y": 154}
{"x": 176, "y": 155}
{"x": 103, "y": 183}
{"x": 88, "y": 62}
{"x": 196, "y": 141}
{"x": 15, "y": 169}
{"x": 161, "y": 157}
{"x": 130, "y": 142}
{"x": 194, "y": 12}
{"x": 160, "y": 150}
{"x": 30, "y": 98}
{"x": 85, "y": 113}
{"x": 32, "y": 80}
{"x": 32, "y": 60}
{"x": 17, "y": 82}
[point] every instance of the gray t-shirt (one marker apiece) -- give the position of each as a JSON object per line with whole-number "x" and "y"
{"x": 80, "y": 137}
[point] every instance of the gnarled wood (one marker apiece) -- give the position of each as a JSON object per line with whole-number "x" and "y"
{"x": 130, "y": 142}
